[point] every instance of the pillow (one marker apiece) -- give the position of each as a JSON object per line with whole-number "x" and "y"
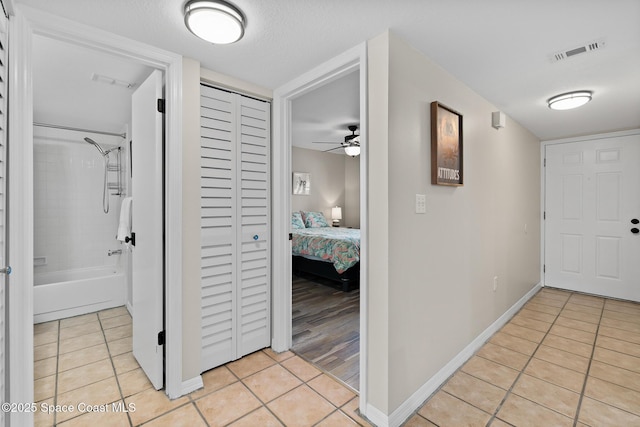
{"x": 296, "y": 220}
{"x": 314, "y": 219}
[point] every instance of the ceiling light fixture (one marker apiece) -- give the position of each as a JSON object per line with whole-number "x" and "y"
{"x": 352, "y": 150}
{"x": 215, "y": 21}
{"x": 567, "y": 101}
{"x": 352, "y": 144}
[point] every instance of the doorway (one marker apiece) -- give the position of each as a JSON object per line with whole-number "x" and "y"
{"x": 592, "y": 211}
{"x": 325, "y": 306}
{"x": 24, "y": 29}
{"x": 354, "y": 59}
{"x": 93, "y": 155}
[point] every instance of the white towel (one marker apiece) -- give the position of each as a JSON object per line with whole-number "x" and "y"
{"x": 124, "y": 226}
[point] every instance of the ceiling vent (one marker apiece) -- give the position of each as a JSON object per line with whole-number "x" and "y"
{"x": 578, "y": 50}
{"x": 111, "y": 81}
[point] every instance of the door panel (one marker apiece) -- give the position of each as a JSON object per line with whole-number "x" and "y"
{"x": 255, "y": 236}
{"x": 218, "y": 227}
{"x": 592, "y": 194}
{"x": 3, "y": 211}
{"x": 235, "y": 226}
{"x": 147, "y": 224}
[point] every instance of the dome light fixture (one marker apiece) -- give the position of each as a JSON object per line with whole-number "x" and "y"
{"x": 352, "y": 150}
{"x": 215, "y": 21}
{"x": 567, "y": 101}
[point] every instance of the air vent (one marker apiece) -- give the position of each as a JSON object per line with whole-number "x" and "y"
{"x": 111, "y": 81}
{"x": 578, "y": 50}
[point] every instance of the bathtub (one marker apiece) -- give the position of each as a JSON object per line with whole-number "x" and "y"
{"x": 61, "y": 294}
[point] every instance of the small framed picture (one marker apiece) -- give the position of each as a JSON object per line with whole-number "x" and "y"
{"x": 301, "y": 183}
{"x": 446, "y": 146}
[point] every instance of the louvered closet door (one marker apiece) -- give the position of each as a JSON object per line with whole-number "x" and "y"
{"x": 255, "y": 238}
{"x": 235, "y": 140}
{"x": 219, "y": 228}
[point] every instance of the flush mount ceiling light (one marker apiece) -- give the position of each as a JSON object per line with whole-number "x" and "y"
{"x": 567, "y": 101}
{"x": 215, "y": 21}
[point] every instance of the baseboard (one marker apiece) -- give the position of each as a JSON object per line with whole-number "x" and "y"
{"x": 130, "y": 308}
{"x": 416, "y": 400}
{"x": 191, "y": 385}
{"x": 376, "y": 416}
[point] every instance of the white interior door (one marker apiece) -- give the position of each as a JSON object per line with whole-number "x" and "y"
{"x": 147, "y": 224}
{"x": 592, "y": 202}
{"x": 4, "y": 269}
{"x": 235, "y": 226}
{"x": 254, "y": 239}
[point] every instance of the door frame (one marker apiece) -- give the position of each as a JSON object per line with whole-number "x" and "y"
{"x": 543, "y": 189}
{"x": 24, "y": 24}
{"x": 351, "y": 60}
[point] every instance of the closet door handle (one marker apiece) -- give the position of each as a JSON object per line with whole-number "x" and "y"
{"x": 635, "y": 221}
{"x": 6, "y": 270}
{"x": 256, "y": 237}
{"x": 635, "y": 230}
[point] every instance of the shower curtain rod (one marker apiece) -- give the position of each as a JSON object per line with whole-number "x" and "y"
{"x": 45, "y": 125}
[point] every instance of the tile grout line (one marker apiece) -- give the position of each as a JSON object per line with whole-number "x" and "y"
{"x": 193, "y": 402}
{"x": 55, "y": 392}
{"x": 521, "y": 372}
{"x": 115, "y": 373}
{"x": 263, "y": 405}
{"x": 586, "y": 377}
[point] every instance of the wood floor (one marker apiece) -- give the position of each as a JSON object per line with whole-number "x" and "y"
{"x": 326, "y": 327}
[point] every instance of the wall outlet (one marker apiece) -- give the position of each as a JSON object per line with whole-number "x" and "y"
{"x": 421, "y": 203}
{"x": 495, "y": 283}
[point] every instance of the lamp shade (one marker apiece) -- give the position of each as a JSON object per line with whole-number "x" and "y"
{"x": 336, "y": 213}
{"x": 215, "y": 21}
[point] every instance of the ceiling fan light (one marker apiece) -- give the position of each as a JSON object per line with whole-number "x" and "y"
{"x": 567, "y": 101}
{"x": 352, "y": 150}
{"x": 215, "y": 21}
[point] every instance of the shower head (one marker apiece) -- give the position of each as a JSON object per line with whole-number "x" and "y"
{"x": 98, "y": 147}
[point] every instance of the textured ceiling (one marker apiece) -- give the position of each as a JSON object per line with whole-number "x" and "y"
{"x": 499, "y": 48}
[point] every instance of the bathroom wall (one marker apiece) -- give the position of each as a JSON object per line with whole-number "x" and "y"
{"x": 70, "y": 228}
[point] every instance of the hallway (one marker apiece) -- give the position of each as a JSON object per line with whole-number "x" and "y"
{"x": 566, "y": 359}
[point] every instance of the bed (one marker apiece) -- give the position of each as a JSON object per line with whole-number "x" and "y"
{"x": 329, "y": 252}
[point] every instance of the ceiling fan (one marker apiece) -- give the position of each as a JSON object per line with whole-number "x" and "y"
{"x": 351, "y": 144}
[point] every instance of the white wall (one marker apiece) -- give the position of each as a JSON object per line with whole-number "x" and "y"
{"x": 351, "y": 209}
{"x": 327, "y": 181}
{"x": 191, "y": 245}
{"x": 70, "y": 228}
{"x": 335, "y": 181}
{"x": 437, "y": 269}
{"x": 378, "y": 224}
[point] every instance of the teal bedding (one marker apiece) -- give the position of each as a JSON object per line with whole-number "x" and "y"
{"x": 340, "y": 246}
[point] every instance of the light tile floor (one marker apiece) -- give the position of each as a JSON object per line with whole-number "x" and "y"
{"x": 564, "y": 359}
{"x": 87, "y": 360}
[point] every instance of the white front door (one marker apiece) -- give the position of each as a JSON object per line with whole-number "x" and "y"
{"x": 147, "y": 225}
{"x": 592, "y": 205}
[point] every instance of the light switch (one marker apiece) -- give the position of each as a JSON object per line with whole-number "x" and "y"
{"x": 421, "y": 203}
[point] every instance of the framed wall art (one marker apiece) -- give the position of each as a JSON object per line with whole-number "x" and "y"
{"x": 446, "y": 146}
{"x": 301, "y": 183}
